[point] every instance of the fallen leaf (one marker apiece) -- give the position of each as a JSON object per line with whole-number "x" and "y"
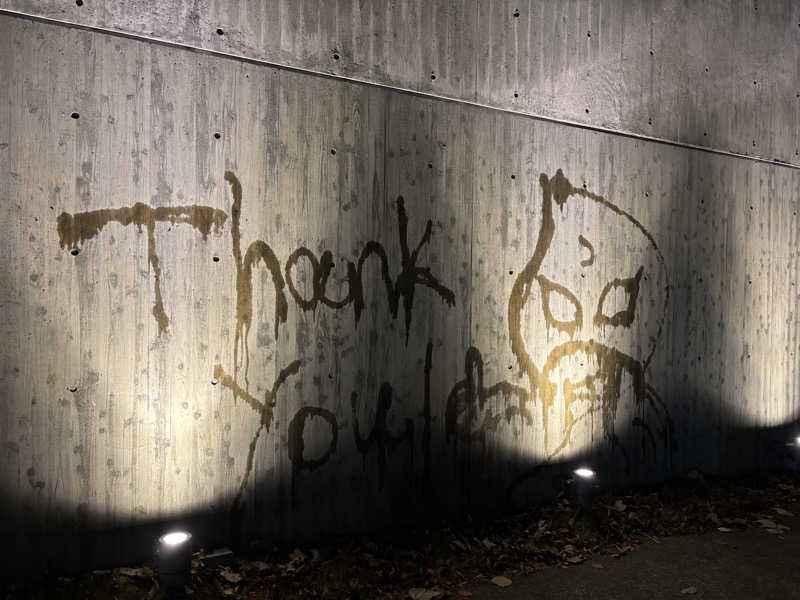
{"x": 488, "y": 544}
{"x": 620, "y": 551}
{"x": 464, "y": 593}
{"x": 259, "y": 565}
{"x": 501, "y": 581}
{"x": 597, "y": 566}
{"x": 425, "y": 594}
{"x": 783, "y": 512}
{"x": 230, "y": 576}
{"x": 372, "y": 561}
{"x": 725, "y": 529}
{"x": 140, "y": 572}
{"x": 689, "y": 591}
{"x": 575, "y": 559}
{"x": 766, "y": 523}
{"x": 460, "y": 545}
{"x": 620, "y": 506}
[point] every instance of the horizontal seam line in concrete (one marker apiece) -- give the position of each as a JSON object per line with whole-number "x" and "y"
{"x": 376, "y": 84}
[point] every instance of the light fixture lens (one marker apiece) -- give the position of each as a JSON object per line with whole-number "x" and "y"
{"x": 584, "y": 473}
{"x": 174, "y": 538}
{"x": 797, "y": 440}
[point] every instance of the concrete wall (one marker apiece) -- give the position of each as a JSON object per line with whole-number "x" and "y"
{"x": 720, "y": 74}
{"x": 292, "y": 306}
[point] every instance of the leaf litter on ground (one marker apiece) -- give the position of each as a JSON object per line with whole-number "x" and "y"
{"x": 447, "y": 559}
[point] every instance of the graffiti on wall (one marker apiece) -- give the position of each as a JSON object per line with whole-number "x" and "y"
{"x": 596, "y": 361}
{"x": 578, "y": 332}
{"x": 74, "y": 230}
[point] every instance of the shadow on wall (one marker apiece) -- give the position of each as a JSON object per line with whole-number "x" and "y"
{"x": 70, "y": 545}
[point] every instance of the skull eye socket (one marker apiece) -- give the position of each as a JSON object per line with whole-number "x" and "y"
{"x": 617, "y": 304}
{"x": 556, "y": 304}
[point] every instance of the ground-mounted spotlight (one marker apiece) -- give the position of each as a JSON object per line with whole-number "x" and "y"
{"x": 582, "y": 485}
{"x": 174, "y": 558}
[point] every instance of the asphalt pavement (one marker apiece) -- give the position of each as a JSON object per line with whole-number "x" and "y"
{"x": 753, "y": 564}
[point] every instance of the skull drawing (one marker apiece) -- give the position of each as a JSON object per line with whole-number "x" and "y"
{"x": 585, "y": 315}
